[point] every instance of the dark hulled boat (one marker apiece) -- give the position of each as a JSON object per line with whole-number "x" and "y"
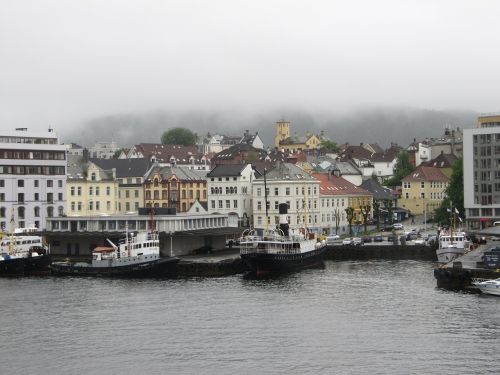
{"x": 23, "y": 256}
{"x": 280, "y": 250}
{"x": 137, "y": 256}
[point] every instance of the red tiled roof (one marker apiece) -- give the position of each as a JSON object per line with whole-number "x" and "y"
{"x": 423, "y": 173}
{"x": 333, "y": 185}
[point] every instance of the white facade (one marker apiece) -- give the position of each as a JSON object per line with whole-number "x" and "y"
{"x": 423, "y": 153}
{"x": 32, "y": 178}
{"x": 231, "y": 194}
{"x": 301, "y": 195}
{"x": 330, "y": 207}
{"x": 481, "y": 158}
{"x": 103, "y": 150}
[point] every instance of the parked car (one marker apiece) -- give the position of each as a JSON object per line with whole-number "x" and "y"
{"x": 357, "y": 241}
{"x": 391, "y": 238}
{"x": 366, "y": 239}
{"x": 398, "y": 226}
{"x": 347, "y": 241}
{"x": 331, "y": 239}
{"x": 377, "y": 238}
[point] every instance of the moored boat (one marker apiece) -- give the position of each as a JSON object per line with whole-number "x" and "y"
{"x": 280, "y": 250}
{"x": 451, "y": 245}
{"x": 488, "y": 286}
{"x": 22, "y": 255}
{"x": 138, "y": 255}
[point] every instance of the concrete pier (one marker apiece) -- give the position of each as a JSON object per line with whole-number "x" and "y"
{"x": 460, "y": 272}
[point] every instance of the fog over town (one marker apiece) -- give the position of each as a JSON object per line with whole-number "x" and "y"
{"x": 409, "y": 68}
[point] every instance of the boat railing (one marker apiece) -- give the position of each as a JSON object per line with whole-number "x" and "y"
{"x": 269, "y": 250}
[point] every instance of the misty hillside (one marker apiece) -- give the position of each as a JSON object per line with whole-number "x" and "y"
{"x": 381, "y": 125}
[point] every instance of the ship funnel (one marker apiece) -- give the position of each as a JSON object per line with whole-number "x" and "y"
{"x": 283, "y": 210}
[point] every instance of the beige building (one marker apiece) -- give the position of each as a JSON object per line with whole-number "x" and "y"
{"x": 423, "y": 190}
{"x": 92, "y": 191}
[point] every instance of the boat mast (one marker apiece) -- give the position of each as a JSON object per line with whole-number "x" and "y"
{"x": 265, "y": 197}
{"x": 12, "y": 243}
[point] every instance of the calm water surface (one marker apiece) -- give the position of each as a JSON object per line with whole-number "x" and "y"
{"x": 349, "y": 318}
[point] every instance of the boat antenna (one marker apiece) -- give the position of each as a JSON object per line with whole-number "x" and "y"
{"x": 151, "y": 218}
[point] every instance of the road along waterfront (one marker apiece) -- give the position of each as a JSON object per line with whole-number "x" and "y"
{"x": 370, "y": 317}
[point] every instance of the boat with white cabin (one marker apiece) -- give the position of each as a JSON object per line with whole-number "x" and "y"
{"x": 280, "y": 250}
{"x": 137, "y": 255}
{"x": 488, "y": 286}
{"x": 452, "y": 244}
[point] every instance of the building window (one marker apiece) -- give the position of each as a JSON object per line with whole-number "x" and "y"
{"x": 92, "y": 176}
{"x": 50, "y": 198}
{"x": 228, "y": 203}
{"x": 276, "y": 191}
{"x": 59, "y": 183}
{"x": 60, "y": 196}
{"x": 20, "y": 198}
{"x": 50, "y": 183}
{"x": 20, "y": 212}
{"x": 79, "y": 190}
{"x": 287, "y": 190}
{"x": 35, "y": 183}
{"x": 72, "y": 191}
{"x": 79, "y": 206}
{"x": 213, "y": 203}
{"x": 2, "y": 183}
{"x": 422, "y": 184}
{"x": 235, "y": 203}
{"x": 91, "y": 190}
{"x": 97, "y": 190}
{"x": 220, "y": 203}
{"x": 20, "y": 183}
{"x": 72, "y": 206}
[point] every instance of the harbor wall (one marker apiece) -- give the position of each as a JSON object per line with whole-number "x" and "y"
{"x": 396, "y": 252}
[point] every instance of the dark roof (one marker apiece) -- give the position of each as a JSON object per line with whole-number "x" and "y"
{"x": 124, "y": 167}
{"x": 441, "y": 161}
{"x": 379, "y": 192}
{"x": 163, "y": 153}
{"x": 224, "y": 170}
{"x": 423, "y": 173}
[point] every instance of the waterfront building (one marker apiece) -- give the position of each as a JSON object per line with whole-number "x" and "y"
{"x": 174, "y": 187}
{"x": 482, "y": 172}
{"x": 90, "y": 189}
{"x": 385, "y": 197}
{"x": 423, "y": 190}
{"x": 286, "y": 183}
{"x": 229, "y": 188}
{"x": 32, "y": 177}
{"x": 130, "y": 176}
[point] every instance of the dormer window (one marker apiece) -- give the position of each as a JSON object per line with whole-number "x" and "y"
{"x": 93, "y": 176}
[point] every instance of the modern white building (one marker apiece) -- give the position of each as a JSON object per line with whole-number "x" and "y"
{"x": 289, "y": 184}
{"x": 230, "y": 192}
{"x": 103, "y": 150}
{"x": 32, "y": 178}
{"x": 481, "y": 155}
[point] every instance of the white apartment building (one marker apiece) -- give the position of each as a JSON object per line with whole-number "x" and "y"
{"x": 287, "y": 183}
{"x": 481, "y": 155}
{"x": 32, "y": 177}
{"x": 230, "y": 192}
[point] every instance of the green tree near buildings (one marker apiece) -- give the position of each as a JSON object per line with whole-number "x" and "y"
{"x": 329, "y": 146}
{"x": 376, "y": 213}
{"x": 179, "y": 136}
{"x": 402, "y": 169}
{"x": 349, "y": 215}
{"x": 365, "y": 211}
{"x": 454, "y": 195}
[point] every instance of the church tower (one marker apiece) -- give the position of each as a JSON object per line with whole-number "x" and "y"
{"x": 282, "y": 132}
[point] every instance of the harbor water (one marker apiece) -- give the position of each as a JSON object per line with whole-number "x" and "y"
{"x": 375, "y": 317}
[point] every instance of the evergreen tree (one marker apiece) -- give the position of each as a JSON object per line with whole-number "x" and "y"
{"x": 454, "y": 195}
{"x": 402, "y": 169}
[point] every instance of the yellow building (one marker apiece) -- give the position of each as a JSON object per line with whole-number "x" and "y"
{"x": 93, "y": 191}
{"x": 423, "y": 190}
{"x": 174, "y": 187}
{"x": 292, "y": 144}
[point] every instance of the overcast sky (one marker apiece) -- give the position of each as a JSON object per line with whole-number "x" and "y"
{"x": 66, "y": 61}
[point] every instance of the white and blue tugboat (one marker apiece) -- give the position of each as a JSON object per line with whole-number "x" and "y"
{"x": 138, "y": 255}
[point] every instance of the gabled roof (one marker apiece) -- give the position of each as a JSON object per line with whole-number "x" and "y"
{"x": 355, "y": 152}
{"x": 76, "y": 167}
{"x": 287, "y": 172}
{"x": 163, "y": 153}
{"x": 227, "y": 170}
{"x": 441, "y": 161}
{"x": 333, "y": 185}
{"x": 424, "y": 173}
{"x": 183, "y": 174}
{"x": 124, "y": 167}
{"x": 379, "y": 192}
